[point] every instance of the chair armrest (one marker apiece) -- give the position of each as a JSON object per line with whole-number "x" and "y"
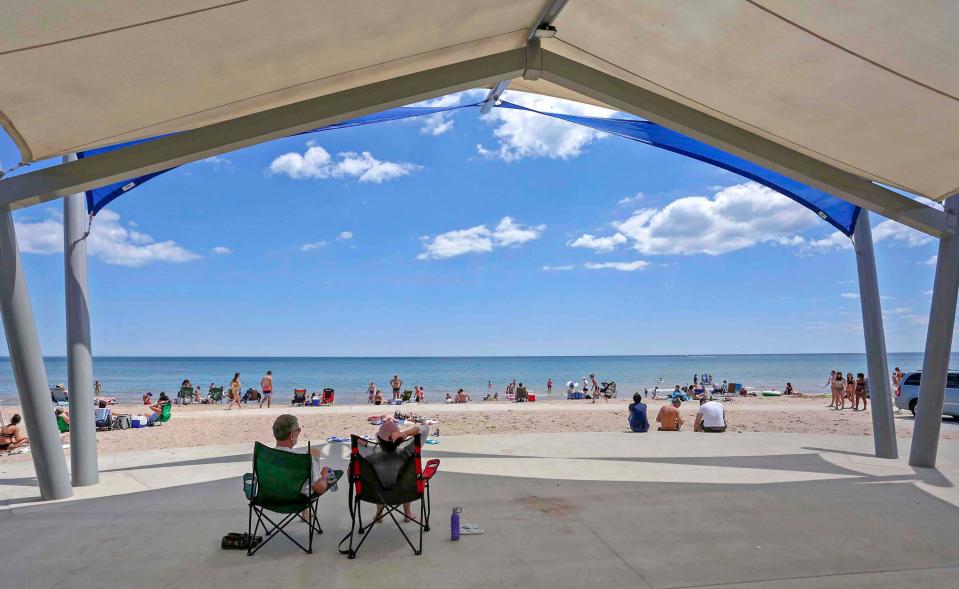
{"x": 431, "y": 467}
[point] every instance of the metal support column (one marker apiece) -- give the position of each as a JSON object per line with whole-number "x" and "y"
{"x": 935, "y": 363}
{"x": 28, "y": 369}
{"x": 883, "y": 428}
{"x": 83, "y": 433}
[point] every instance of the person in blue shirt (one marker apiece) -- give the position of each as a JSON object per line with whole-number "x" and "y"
{"x": 637, "y": 415}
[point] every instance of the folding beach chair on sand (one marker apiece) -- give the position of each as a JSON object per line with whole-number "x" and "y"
{"x": 185, "y": 395}
{"x": 299, "y": 397}
{"x": 412, "y": 484}
{"x": 276, "y": 485}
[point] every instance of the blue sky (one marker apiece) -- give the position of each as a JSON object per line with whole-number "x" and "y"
{"x": 510, "y": 234}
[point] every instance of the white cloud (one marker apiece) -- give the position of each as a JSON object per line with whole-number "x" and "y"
{"x": 442, "y": 122}
{"x": 558, "y": 268}
{"x": 308, "y": 247}
{"x": 834, "y": 241}
{"x": 931, "y": 261}
{"x": 478, "y": 239}
{"x": 928, "y": 293}
{"x": 219, "y": 163}
{"x": 598, "y": 244}
{"x": 737, "y": 217}
{"x": 509, "y": 232}
{"x": 317, "y": 163}
{"x": 222, "y": 250}
{"x": 345, "y": 235}
{"x": 898, "y": 232}
{"x": 621, "y": 266}
{"x": 522, "y": 134}
{"x": 109, "y": 241}
{"x": 849, "y": 295}
{"x": 631, "y": 199}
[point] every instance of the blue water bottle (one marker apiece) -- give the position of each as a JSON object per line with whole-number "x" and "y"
{"x": 455, "y": 523}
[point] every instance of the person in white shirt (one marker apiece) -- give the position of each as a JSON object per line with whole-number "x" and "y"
{"x": 286, "y": 431}
{"x": 710, "y": 418}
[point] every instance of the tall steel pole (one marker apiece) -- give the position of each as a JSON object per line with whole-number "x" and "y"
{"x": 28, "y": 369}
{"x": 935, "y": 362}
{"x": 83, "y": 433}
{"x": 883, "y": 428}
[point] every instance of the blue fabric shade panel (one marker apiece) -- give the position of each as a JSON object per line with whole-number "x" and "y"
{"x": 837, "y": 212}
{"x": 98, "y": 198}
{"x": 840, "y": 214}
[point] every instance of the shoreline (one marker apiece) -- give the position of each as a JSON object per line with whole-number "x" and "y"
{"x": 205, "y": 425}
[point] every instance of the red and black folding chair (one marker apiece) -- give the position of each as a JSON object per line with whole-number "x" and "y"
{"x": 412, "y": 484}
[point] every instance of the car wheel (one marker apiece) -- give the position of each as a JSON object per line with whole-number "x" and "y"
{"x": 912, "y": 406}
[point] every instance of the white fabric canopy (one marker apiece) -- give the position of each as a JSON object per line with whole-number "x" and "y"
{"x": 870, "y": 88}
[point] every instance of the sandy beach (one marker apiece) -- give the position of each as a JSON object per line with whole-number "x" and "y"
{"x": 203, "y": 425}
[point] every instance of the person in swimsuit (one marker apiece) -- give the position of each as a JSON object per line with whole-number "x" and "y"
{"x": 370, "y": 393}
{"x": 378, "y": 397}
{"x": 234, "y": 392}
{"x": 266, "y": 385}
{"x": 862, "y": 391}
{"x": 850, "y": 390}
{"x": 11, "y": 436}
{"x": 829, "y": 382}
{"x": 837, "y": 388}
{"x": 396, "y": 382}
{"x": 549, "y": 386}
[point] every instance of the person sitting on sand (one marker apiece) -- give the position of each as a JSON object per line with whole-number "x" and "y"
{"x": 147, "y": 398}
{"x": 449, "y": 398}
{"x": 63, "y": 414}
{"x": 389, "y": 454}
{"x": 710, "y": 418}
{"x": 11, "y": 435}
{"x": 462, "y": 397}
{"x": 638, "y": 422}
{"x": 196, "y": 394}
{"x": 378, "y": 397}
{"x": 286, "y": 432}
{"x": 669, "y": 418}
{"x": 789, "y": 389}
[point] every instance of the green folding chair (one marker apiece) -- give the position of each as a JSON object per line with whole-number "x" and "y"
{"x": 62, "y": 425}
{"x": 216, "y": 394}
{"x": 185, "y": 395}
{"x": 407, "y": 395}
{"x": 165, "y": 411}
{"x": 276, "y": 486}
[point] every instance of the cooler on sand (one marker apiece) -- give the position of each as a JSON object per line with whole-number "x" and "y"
{"x": 532, "y": 397}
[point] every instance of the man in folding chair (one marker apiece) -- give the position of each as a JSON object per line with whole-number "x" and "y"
{"x": 389, "y": 473}
{"x": 285, "y": 480}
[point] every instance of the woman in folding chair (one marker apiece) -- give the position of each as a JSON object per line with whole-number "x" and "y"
{"x": 285, "y": 480}
{"x": 389, "y": 472}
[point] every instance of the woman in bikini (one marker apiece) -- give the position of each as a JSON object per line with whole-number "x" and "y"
{"x": 234, "y": 392}
{"x": 11, "y": 436}
{"x": 850, "y": 393}
{"x": 837, "y": 389}
{"x": 862, "y": 391}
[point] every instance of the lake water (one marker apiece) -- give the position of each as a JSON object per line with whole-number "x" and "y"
{"x": 128, "y": 378}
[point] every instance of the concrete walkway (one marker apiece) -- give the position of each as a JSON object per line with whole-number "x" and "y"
{"x": 559, "y": 510}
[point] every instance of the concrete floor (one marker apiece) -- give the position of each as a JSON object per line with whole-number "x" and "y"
{"x": 570, "y": 510}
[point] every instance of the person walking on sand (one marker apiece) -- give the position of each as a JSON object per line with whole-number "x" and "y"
{"x": 396, "y": 382}
{"x": 596, "y": 391}
{"x": 266, "y": 385}
{"x": 829, "y": 381}
{"x": 836, "y": 386}
{"x": 850, "y": 390}
{"x": 370, "y": 393}
{"x": 862, "y": 391}
{"x": 549, "y": 386}
{"x": 234, "y": 392}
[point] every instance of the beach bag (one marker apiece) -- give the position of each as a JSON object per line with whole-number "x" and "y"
{"x": 121, "y": 422}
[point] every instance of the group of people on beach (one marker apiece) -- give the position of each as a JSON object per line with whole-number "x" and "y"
{"x": 710, "y": 418}
{"x": 374, "y": 396}
{"x": 849, "y": 389}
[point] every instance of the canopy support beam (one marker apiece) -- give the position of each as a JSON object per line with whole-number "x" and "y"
{"x": 550, "y": 13}
{"x": 630, "y": 98}
{"x": 189, "y": 146}
{"x": 83, "y": 431}
{"x": 935, "y": 362}
{"x": 883, "y": 428}
{"x": 30, "y": 375}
